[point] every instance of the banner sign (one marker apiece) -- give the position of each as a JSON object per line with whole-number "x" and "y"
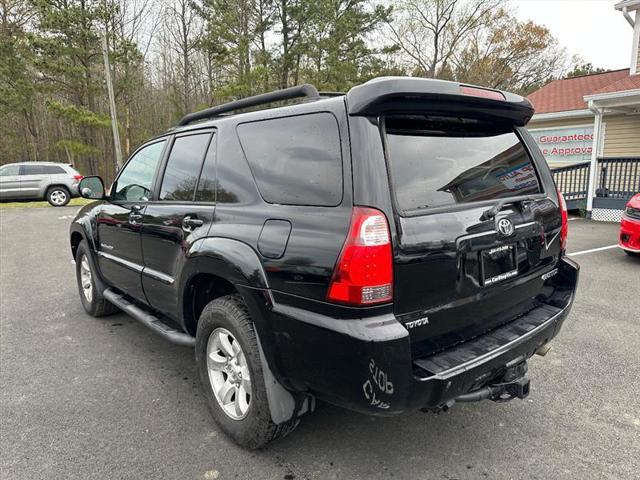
{"x": 565, "y": 145}
{"x": 518, "y": 178}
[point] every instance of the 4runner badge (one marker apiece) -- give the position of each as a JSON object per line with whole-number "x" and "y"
{"x": 505, "y": 227}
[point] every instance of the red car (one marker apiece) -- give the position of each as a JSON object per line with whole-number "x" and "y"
{"x": 630, "y": 227}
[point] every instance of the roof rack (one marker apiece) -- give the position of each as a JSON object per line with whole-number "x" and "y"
{"x": 305, "y": 90}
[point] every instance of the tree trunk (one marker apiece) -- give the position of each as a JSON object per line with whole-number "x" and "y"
{"x": 284, "y": 74}
{"x": 33, "y": 134}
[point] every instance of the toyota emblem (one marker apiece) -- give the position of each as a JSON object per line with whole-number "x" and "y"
{"x": 505, "y": 227}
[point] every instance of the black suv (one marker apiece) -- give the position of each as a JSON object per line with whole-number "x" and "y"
{"x": 397, "y": 247}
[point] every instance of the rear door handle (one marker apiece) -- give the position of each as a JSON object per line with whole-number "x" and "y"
{"x": 189, "y": 223}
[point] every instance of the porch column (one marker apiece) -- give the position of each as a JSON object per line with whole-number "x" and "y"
{"x": 597, "y": 141}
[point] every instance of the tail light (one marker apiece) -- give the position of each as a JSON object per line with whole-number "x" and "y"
{"x": 364, "y": 272}
{"x": 78, "y": 177}
{"x": 565, "y": 221}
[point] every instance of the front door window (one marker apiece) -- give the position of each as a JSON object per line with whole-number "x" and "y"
{"x": 9, "y": 171}
{"x": 135, "y": 181}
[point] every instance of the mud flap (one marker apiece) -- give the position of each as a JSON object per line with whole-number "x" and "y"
{"x": 282, "y": 404}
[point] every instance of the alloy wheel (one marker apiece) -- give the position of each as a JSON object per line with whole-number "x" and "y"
{"x": 58, "y": 197}
{"x": 229, "y": 373}
{"x": 85, "y": 279}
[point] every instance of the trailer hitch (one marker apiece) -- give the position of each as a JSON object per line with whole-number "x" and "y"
{"x": 513, "y": 384}
{"x": 497, "y": 392}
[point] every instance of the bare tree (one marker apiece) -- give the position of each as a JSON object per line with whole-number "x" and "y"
{"x": 429, "y": 32}
{"x": 510, "y": 55}
{"x": 182, "y": 28}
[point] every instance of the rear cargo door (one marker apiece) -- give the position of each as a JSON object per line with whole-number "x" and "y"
{"x": 476, "y": 230}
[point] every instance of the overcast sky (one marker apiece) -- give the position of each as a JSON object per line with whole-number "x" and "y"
{"x": 592, "y": 29}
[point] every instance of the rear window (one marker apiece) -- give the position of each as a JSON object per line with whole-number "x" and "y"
{"x": 440, "y": 161}
{"x": 295, "y": 160}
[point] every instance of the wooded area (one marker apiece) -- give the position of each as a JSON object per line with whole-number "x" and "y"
{"x": 171, "y": 57}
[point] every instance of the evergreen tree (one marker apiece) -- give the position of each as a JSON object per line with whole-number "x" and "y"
{"x": 67, "y": 56}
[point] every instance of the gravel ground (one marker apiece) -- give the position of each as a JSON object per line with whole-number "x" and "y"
{"x": 82, "y": 398}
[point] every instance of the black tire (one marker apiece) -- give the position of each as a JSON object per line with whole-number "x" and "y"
{"x": 256, "y": 429}
{"x": 98, "y": 306}
{"x": 632, "y": 254}
{"x": 58, "y": 196}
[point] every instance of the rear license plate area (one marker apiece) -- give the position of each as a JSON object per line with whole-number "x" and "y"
{"x": 498, "y": 264}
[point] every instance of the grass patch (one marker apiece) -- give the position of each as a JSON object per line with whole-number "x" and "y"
{"x": 75, "y": 202}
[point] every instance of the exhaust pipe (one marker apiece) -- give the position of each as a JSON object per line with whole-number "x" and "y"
{"x": 543, "y": 350}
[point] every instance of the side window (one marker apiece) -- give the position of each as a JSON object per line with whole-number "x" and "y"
{"x": 33, "y": 170}
{"x": 295, "y": 160}
{"x": 207, "y": 185}
{"x": 53, "y": 169}
{"x": 136, "y": 179}
{"x": 183, "y": 167}
{"x": 9, "y": 170}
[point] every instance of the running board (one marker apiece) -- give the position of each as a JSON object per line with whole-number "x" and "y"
{"x": 148, "y": 319}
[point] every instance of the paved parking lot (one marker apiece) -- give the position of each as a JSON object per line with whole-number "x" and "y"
{"x": 82, "y": 398}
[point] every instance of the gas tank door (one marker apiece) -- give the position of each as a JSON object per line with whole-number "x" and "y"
{"x": 274, "y": 237}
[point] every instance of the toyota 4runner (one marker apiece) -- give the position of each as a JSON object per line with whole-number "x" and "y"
{"x": 397, "y": 247}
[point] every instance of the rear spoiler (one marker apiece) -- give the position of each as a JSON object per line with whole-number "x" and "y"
{"x": 439, "y": 97}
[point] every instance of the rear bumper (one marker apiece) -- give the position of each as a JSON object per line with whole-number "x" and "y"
{"x": 73, "y": 188}
{"x": 366, "y": 364}
{"x": 629, "y": 238}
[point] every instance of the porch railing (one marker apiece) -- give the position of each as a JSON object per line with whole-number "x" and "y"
{"x": 618, "y": 177}
{"x": 573, "y": 182}
{"x": 616, "y": 181}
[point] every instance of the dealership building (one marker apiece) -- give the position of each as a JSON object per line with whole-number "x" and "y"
{"x": 588, "y": 128}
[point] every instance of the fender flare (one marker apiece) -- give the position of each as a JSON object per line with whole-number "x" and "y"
{"x": 240, "y": 265}
{"x": 237, "y": 261}
{"x": 232, "y": 260}
{"x": 84, "y": 227}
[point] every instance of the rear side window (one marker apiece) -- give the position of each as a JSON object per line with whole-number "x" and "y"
{"x": 439, "y": 161}
{"x": 207, "y": 185}
{"x": 54, "y": 169}
{"x": 295, "y": 160}
{"x": 34, "y": 170}
{"x": 183, "y": 167}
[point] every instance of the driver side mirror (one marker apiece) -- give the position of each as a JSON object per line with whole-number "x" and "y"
{"x": 92, "y": 188}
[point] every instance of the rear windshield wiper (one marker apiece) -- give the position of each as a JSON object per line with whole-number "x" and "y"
{"x": 493, "y": 211}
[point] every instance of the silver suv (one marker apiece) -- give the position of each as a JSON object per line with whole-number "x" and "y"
{"x": 55, "y": 182}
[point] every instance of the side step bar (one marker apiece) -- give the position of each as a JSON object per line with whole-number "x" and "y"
{"x": 148, "y": 319}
